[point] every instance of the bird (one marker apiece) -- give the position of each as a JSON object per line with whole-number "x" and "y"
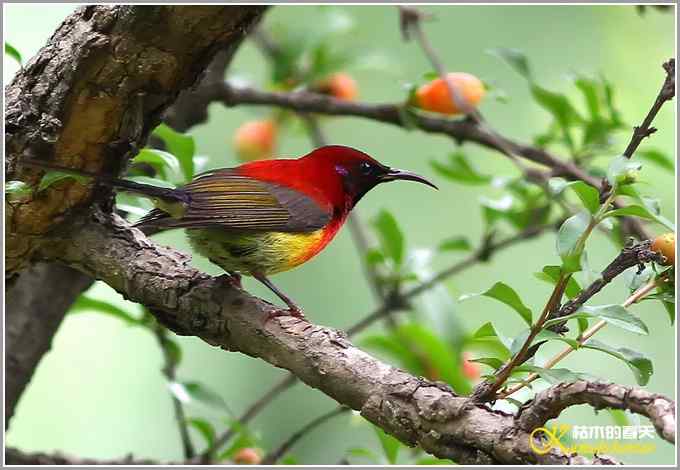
{"x": 264, "y": 217}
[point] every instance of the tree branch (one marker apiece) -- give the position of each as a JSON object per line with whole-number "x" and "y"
{"x": 275, "y": 455}
{"x": 91, "y": 96}
{"x": 666, "y": 93}
{"x": 35, "y": 307}
{"x": 460, "y": 130}
{"x": 414, "y": 410}
{"x": 15, "y": 456}
{"x": 551, "y": 402}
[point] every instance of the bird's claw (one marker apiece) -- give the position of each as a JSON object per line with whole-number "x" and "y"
{"x": 292, "y": 311}
{"x": 233, "y": 280}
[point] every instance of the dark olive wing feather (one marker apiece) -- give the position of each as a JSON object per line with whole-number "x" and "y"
{"x": 225, "y": 199}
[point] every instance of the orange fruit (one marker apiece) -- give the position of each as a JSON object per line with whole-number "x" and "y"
{"x": 341, "y": 86}
{"x": 255, "y": 140}
{"x": 434, "y": 96}
{"x": 247, "y": 456}
{"x": 665, "y": 244}
{"x": 471, "y": 370}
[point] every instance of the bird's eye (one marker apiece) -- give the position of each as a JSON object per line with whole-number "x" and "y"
{"x": 366, "y": 168}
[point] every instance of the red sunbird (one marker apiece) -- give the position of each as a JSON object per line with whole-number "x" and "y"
{"x": 268, "y": 216}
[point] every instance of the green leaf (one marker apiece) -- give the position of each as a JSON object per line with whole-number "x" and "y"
{"x": 551, "y": 274}
{"x": 54, "y": 176}
{"x": 589, "y": 196}
{"x": 390, "y": 445}
{"x": 568, "y": 236}
{"x": 642, "y": 212}
{"x": 515, "y": 59}
{"x": 365, "y": 453}
{"x": 394, "y": 348}
{"x": 589, "y": 89}
{"x": 173, "y": 349}
{"x": 12, "y": 52}
{"x": 614, "y": 114}
{"x": 181, "y": 146}
{"x": 614, "y": 314}
{"x": 204, "y": 428}
{"x": 543, "y": 335}
{"x": 555, "y": 376}
{"x": 488, "y": 332}
{"x": 244, "y": 438}
{"x": 559, "y": 106}
{"x": 203, "y": 394}
{"x": 460, "y": 170}
{"x": 152, "y": 181}
{"x": 85, "y": 303}
{"x": 455, "y": 244}
{"x": 433, "y": 461}
{"x": 165, "y": 163}
{"x": 619, "y": 417}
{"x": 374, "y": 256}
{"x": 391, "y": 237}
{"x": 670, "y": 310}
{"x": 439, "y": 353}
{"x": 657, "y": 157}
{"x": 492, "y": 362}
{"x": 622, "y": 170}
{"x": 640, "y": 365}
{"x": 504, "y": 293}
{"x": 431, "y": 75}
{"x": 17, "y": 189}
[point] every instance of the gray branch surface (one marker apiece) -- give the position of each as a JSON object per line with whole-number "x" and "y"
{"x": 551, "y": 402}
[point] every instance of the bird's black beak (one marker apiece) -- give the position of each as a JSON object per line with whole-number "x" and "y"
{"x": 394, "y": 174}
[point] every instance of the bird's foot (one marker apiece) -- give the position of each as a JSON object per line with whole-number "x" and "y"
{"x": 232, "y": 279}
{"x": 292, "y": 311}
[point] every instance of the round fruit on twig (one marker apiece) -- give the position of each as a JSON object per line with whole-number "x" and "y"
{"x": 665, "y": 244}
{"x": 434, "y": 96}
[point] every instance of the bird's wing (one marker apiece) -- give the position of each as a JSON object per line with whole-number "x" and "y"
{"x": 228, "y": 200}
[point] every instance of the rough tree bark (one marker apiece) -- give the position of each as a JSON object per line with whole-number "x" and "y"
{"x": 89, "y": 99}
{"x": 189, "y": 302}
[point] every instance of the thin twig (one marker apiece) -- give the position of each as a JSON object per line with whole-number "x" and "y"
{"x": 253, "y": 410}
{"x": 666, "y": 93}
{"x": 169, "y": 371}
{"x": 582, "y": 339}
{"x": 275, "y": 455}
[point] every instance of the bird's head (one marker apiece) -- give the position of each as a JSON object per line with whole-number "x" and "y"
{"x": 350, "y": 173}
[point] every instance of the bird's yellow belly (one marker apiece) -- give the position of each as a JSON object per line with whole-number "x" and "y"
{"x": 263, "y": 252}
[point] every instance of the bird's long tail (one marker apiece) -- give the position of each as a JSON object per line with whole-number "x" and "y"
{"x": 167, "y": 194}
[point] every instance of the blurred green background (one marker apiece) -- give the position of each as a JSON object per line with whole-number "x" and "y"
{"x": 100, "y": 392}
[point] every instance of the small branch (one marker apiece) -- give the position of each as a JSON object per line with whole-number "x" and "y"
{"x": 14, "y": 456}
{"x": 666, "y": 93}
{"x": 585, "y": 336}
{"x": 636, "y": 255}
{"x": 252, "y": 411}
{"x": 169, "y": 371}
{"x": 486, "y": 390}
{"x": 274, "y": 456}
{"x": 460, "y": 130}
{"x": 551, "y": 402}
